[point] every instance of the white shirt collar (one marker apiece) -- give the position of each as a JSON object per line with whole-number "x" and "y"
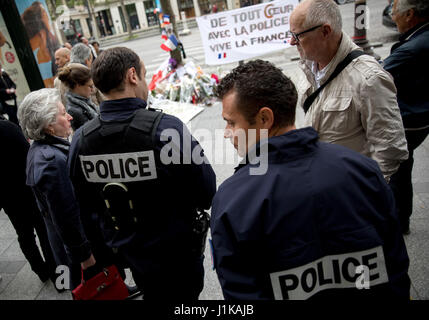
{"x": 318, "y": 74}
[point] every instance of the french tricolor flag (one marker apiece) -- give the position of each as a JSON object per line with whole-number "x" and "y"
{"x": 170, "y": 44}
{"x": 166, "y": 19}
{"x": 164, "y": 35}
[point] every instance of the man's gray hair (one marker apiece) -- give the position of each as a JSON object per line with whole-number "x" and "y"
{"x": 321, "y": 12}
{"x": 37, "y": 111}
{"x": 421, "y": 7}
{"x": 80, "y": 53}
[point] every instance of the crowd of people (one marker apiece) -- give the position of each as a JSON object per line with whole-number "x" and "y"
{"x": 336, "y": 194}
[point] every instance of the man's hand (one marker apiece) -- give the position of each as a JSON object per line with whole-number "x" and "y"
{"x": 88, "y": 262}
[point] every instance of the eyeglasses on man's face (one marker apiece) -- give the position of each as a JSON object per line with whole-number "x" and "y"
{"x": 296, "y": 35}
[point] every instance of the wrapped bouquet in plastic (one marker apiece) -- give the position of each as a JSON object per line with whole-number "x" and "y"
{"x": 184, "y": 84}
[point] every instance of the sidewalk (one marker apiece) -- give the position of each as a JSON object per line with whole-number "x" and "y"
{"x": 20, "y": 283}
{"x": 418, "y": 241}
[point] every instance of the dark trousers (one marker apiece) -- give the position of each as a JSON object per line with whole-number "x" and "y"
{"x": 104, "y": 256}
{"x": 401, "y": 182}
{"x": 170, "y": 278}
{"x": 182, "y": 49}
{"x": 25, "y": 218}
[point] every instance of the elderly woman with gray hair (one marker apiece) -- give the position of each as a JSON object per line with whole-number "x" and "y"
{"x": 44, "y": 119}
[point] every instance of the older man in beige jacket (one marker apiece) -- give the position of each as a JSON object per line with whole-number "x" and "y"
{"x": 358, "y": 108}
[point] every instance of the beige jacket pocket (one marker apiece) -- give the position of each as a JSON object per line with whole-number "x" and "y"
{"x": 336, "y": 118}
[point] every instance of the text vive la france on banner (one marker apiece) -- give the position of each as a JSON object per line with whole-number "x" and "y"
{"x": 247, "y": 32}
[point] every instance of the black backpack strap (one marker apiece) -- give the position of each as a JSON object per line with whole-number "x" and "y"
{"x": 340, "y": 67}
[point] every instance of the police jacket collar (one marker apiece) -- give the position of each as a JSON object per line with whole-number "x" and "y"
{"x": 60, "y": 143}
{"x": 120, "y": 109}
{"x": 287, "y": 146}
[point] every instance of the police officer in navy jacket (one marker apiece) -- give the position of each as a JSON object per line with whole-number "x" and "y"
{"x": 138, "y": 181}
{"x": 299, "y": 218}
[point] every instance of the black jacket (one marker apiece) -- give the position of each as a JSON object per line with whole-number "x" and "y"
{"x": 409, "y": 65}
{"x": 6, "y": 83}
{"x": 14, "y": 148}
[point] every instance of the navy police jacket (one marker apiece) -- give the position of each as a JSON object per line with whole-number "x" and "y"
{"x": 166, "y": 212}
{"x": 319, "y": 223}
{"x": 47, "y": 175}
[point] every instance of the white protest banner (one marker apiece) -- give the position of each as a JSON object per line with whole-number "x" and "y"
{"x": 247, "y": 32}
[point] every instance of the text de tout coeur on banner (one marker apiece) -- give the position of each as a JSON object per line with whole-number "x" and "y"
{"x": 247, "y": 32}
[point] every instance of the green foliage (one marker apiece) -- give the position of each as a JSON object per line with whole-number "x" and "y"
{"x": 132, "y": 37}
{"x": 72, "y": 3}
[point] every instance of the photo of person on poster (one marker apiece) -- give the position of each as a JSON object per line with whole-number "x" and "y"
{"x": 2, "y": 43}
{"x": 44, "y": 43}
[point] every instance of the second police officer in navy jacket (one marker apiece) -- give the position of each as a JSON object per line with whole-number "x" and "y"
{"x": 315, "y": 220}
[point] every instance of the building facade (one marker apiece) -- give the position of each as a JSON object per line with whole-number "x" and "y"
{"x": 109, "y": 17}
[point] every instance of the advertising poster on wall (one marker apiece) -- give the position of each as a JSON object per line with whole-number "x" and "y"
{"x": 44, "y": 43}
{"x": 10, "y": 63}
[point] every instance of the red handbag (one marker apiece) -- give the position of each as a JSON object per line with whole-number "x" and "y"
{"x": 106, "y": 285}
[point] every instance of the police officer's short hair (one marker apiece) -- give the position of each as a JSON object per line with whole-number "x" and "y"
{"x": 80, "y": 53}
{"x": 38, "y": 110}
{"x": 260, "y": 84}
{"x": 111, "y": 66}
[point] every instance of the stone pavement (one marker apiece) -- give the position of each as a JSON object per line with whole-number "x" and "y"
{"x": 20, "y": 283}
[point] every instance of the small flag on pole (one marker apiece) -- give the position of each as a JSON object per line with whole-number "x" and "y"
{"x": 170, "y": 44}
{"x": 166, "y": 19}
